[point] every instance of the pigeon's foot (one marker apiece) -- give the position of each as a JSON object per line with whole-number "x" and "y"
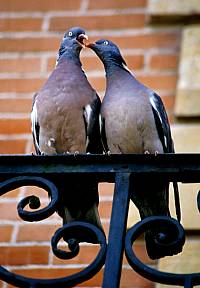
{"x": 155, "y": 153}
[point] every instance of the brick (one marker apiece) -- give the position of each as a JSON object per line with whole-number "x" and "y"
{"x": 105, "y": 209}
{"x": 15, "y": 126}
{"x": 159, "y": 81}
{"x": 164, "y": 62}
{"x": 168, "y": 101}
{"x": 140, "y": 250}
{"x": 20, "y": 65}
{"x": 5, "y": 233}
{"x": 152, "y": 81}
{"x": 120, "y": 4}
{"x": 86, "y": 255}
{"x": 29, "y": 44}
{"x": 98, "y": 22}
{"x": 12, "y": 146}
{"x": 57, "y": 273}
{"x": 51, "y": 63}
{"x": 12, "y": 194}
{"x": 134, "y": 62}
{"x": 37, "y": 191}
{"x": 37, "y": 5}
{"x": 29, "y": 232}
{"x": 129, "y": 277}
{"x": 146, "y": 41}
{"x": 89, "y": 63}
{"x": 8, "y": 211}
{"x": 20, "y": 105}
{"x": 93, "y": 63}
{"x": 106, "y": 189}
{"x": 98, "y": 83}
{"x": 20, "y": 24}
{"x": 106, "y": 229}
{"x": 170, "y": 117}
{"x": 24, "y": 255}
{"x": 20, "y": 85}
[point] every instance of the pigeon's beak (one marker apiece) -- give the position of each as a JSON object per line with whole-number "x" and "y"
{"x": 82, "y": 40}
{"x": 91, "y": 45}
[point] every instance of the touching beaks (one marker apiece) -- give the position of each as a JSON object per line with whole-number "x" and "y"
{"x": 90, "y": 44}
{"x": 82, "y": 40}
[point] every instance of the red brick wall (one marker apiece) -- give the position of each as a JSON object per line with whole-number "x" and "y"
{"x": 30, "y": 33}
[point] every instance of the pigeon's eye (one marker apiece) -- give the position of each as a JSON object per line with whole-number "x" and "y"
{"x": 105, "y": 43}
{"x": 70, "y": 33}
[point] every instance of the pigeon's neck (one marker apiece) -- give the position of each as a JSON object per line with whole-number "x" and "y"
{"x": 72, "y": 56}
{"x": 117, "y": 72}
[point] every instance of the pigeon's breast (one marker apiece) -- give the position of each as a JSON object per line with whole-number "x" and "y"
{"x": 129, "y": 126}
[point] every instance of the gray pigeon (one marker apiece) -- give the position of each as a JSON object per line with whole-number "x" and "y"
{"x": 65, "y": 119}
{"x": 134, "y": 120}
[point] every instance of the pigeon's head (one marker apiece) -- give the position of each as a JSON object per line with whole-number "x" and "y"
{"x": 107, "y": 51}
{"x": 73, "y": 41}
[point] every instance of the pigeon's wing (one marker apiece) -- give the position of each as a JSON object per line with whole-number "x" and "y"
{"x": 92, "y": 126}
{"x": 164, "y": 132}
{"x": 103, "y": 135}
{"x": 35, "y": 126}
{"x": 162, "y": 123}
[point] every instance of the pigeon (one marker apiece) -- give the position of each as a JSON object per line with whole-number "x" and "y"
{"x": 65, "y": 120}
{"x": 134, "y": 120}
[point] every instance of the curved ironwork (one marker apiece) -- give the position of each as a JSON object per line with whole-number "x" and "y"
{"x": 186, "y": 280}
{"x": 32, "y": 201}
{"x": 80, "y": 232}
{"x": 118, "y": 169}
{"x": 198, "y": 200}
{"x": 83, "y": 232}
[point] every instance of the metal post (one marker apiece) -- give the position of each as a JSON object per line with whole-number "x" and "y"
{"x": 113, "y": 263}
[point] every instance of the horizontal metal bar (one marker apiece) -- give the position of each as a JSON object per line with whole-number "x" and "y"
{"x": 179, "y": 167}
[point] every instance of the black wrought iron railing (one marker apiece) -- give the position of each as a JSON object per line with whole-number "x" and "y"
{"x": 123, "y": 170}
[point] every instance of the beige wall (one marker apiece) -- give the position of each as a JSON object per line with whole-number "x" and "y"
{"x": 186, "y": 130}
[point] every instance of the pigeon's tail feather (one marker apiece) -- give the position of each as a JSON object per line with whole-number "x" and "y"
{"x": 152, "y": 199}
{"x": 165, "y": 237}
{"x": 79, "y": 202}
{"x": 91, "y": 216}
{"x": 177, "y": 201}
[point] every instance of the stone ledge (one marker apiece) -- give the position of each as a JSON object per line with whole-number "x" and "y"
{"x": 176, "y": 11}
{"x": 186, "y": 262}
{"x": 188, "y": 88}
